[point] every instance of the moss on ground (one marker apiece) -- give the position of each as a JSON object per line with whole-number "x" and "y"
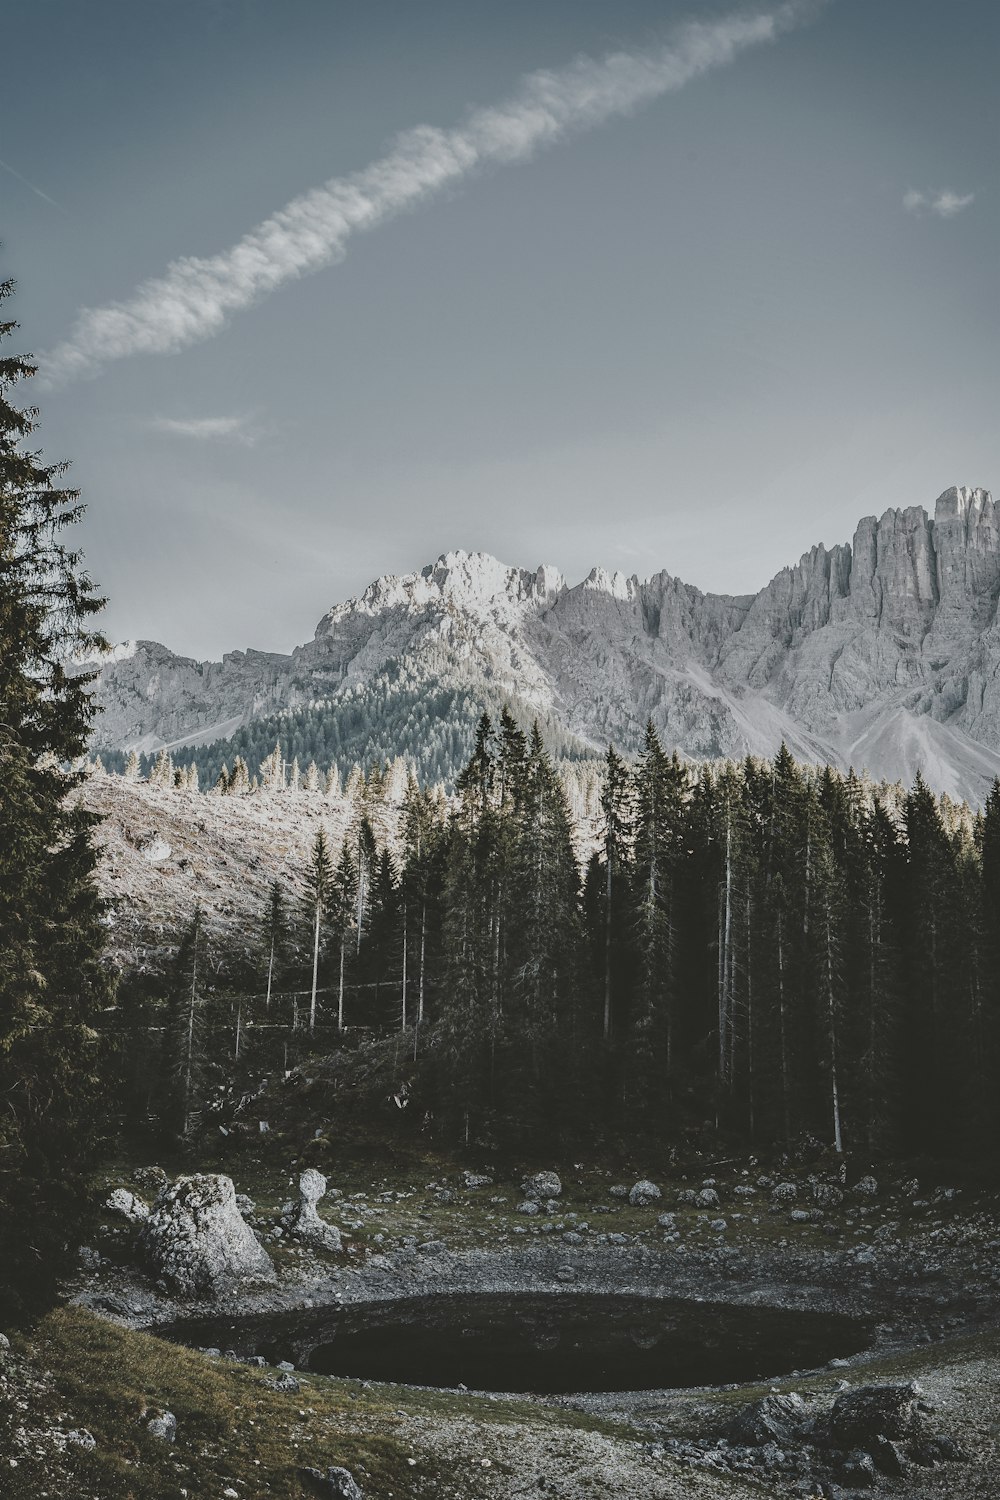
{"x": 75, "y": 1370}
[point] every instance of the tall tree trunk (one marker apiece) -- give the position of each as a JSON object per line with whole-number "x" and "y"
{"x": 312, "y": 1002}
{"x": 403, "y": 986}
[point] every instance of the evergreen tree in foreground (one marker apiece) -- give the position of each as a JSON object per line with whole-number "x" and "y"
{"x": 52, "y": 990}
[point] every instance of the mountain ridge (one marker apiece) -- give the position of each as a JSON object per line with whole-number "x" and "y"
{"x": 845, "y": 651}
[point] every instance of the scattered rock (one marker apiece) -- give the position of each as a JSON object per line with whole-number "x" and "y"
{"x": 827, "y": 1194}
{"x": 644, "y": 1192}
{"x": 285, "y": 1382}
{"x": 784, "y": 1192}
{"x": 706, "y": 1198}
{"x": 866, "y": 1187}
{"x": 81, "y": 1438}
{"x": 529, "y": 1206}
{"x": 542, "y": 1185}
{"x": 472, "y": 1180}
{"x": 619, "y": 1190}
{"x": 196, "y": 1241}
{"x": 89, "y": 1258}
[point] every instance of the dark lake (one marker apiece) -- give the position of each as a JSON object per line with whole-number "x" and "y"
{"x": 545, "y": 1344}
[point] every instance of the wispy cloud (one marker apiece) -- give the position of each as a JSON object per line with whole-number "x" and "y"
{"x": 31, "y": 187}
{"x": 196, "y": 295}
{"x": 946, "y": 204}
{"x": 207, "y": 429}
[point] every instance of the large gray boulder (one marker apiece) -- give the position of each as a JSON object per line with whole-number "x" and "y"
{"x": 196, "y": 1241}
{"x": 861, "y": 1416}
{"x": 303, "y": 1220}
{"x": 336, "y": 1481}
{"x": 772, "y": 1419}
{"x": 542, "y": 1185}
{"x": 645, "y": 1192}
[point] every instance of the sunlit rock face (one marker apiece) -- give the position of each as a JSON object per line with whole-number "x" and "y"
{"x": 196, "y": 1242}
{"x": 884, "y": 653}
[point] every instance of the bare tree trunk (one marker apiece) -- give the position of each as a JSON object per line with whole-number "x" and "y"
{"x": 607, "y": 956}
{"x": 270, "y": 975}
{"x": 403, "y": 995}
{"x": 785, "y": 1114}
{"x": 725, "y": 962}
{"x": 340, "y": 987}
{"x": 312, "y": 1002}
{"x": 192, "y": 1001}
{"x": 838, "y": 1140}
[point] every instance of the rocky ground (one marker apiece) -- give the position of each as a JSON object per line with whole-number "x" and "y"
{"x": 918, "y": 1259}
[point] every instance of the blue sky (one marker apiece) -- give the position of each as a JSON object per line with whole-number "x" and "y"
{"x": 699, "y": 331}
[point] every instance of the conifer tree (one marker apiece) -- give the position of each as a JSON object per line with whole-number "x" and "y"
{"x": 272, "y": 771}
{"x": 133, "y": 770}
{"x": 616, "y": 807}
{"x": 239, "y": 778}
{"x": 342, "y": 914}
{"x": 319, "y": 889}
{"x": 162, "y": 773}
{"x": 184, "y": 1027}
{"x": 53, "y": 991}
{"x": 276, "y": 938}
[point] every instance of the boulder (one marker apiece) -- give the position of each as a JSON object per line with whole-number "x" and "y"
{"x": 529, "y": 1206}
{"x": 303, "y": 1220}
{"x": 152, "y": 1179}
{"x": 196, "y": 1241}
{"x": 706, "y": 1197}
{"x": 336, "y": 1481}
{"x": 784, "y": 1192}
{"x": 542, "y": 1185}
{"x": 131, "y": 1208}
{"x": 877, "y": 1411}
{"x": 162, "y": 1425}
{"x": 866, "y": 1187}
{"x": 827, "y": 1194}
{"x": 645, "y": 1192}
{"x": 772, "y": 1419}
{"x": 472, "y": 1180}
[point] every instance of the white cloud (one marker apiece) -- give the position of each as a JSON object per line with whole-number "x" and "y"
{"x": 946, "y": 204}
{"x": 196, "y": 295}
{"x": 205, "y": 429}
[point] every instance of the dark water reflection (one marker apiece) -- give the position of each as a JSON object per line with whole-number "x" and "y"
{"x": 540, "y": 1343}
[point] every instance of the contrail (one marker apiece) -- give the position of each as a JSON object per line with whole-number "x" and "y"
{"x": 192, "y": 300}
{"x": 36, "y": 190}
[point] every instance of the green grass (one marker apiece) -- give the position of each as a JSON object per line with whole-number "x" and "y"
{"x": 234, "y": 1431}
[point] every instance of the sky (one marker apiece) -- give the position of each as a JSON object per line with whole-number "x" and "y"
{"x": 321, "y": 290}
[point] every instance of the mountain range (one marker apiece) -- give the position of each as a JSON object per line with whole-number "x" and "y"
{"x": 882, "y": 653}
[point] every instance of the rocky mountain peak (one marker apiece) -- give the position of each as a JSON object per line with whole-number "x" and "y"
{"x": 885, "y": 652}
